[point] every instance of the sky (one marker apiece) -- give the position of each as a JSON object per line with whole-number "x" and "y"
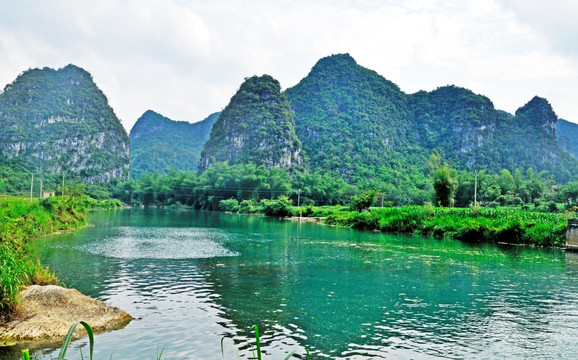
{"x": 186, "y": 58}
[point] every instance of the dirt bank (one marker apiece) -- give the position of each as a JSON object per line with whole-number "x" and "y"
{"x": 48, "y": 311}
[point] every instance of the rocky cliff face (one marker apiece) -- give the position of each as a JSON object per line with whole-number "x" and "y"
{"x": 159, "y": 144}
{"x": 256, "y": 127}
{"x": 58, "y": 121}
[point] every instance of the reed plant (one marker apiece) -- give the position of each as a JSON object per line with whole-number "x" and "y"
{"x": 69, "y": 336}
{"x": 257, "y": 355}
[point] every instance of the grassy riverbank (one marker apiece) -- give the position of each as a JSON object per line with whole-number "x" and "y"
{"x": 473, "y": 224}
{"x": 22, "y": 220}
{"x": 512, "y": 225}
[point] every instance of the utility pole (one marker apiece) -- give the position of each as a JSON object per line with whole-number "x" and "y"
{"x": 476, "y": 190}
{"x": 62, "y": 184}
{"x": 382, "y": 197}
{"x": 41, "y": 194}
{"x": 299, "y": 202}
{"x": 298, "y": 197}
{"x": 31, "y": 186}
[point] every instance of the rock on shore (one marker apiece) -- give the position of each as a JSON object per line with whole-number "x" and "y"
{"x": 49, "y": 311}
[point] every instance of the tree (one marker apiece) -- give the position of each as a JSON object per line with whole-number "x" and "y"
{"x": 445, "y": 185}
{"x": 363, "y": 201}
{"x": 506, "y": 181}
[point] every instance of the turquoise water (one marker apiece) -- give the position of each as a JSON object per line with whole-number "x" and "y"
{"x": 192, "y": 277}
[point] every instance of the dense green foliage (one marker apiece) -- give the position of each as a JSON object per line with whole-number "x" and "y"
{"x": 444, "y": 187}
{"x": 242, "y": 187}
{"x": 247, "y": 184}
{"x": 159, "y": 144}
{"x": 22, "y": 220}
{"x": 58, "y": 121}
{"x": 256, "y": 127}
{"x": 354, "y": 122}
{"x": 469, "y": 224}
{"x": 567, "y": 134}
{"x": 363, "y": 200}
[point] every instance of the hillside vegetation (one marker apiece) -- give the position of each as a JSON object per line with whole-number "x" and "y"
{"x": 354, "y": 122}
{"x": 568, "y": 137}
{"x": 256, "y": 127}
{"x": 59, "y": 121}
{"x": 159, "y": 144}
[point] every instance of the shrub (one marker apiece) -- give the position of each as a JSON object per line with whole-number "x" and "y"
{"x": 552, "y": 207}
{"x": 247, "y": 207}
{"x": 280, "y": 207}
{"x": 363, "y": 200}
{"x": 231, "y": 205}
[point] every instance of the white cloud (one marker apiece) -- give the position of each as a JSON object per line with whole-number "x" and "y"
{"x": 186, "y": 58}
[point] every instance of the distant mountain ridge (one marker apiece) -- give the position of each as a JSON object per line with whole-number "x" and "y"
{"x": 354, "y": 122}
{"x": 59, "y": 121}
{"x": 159, "y": 144}
{"x": 341, "y": 119}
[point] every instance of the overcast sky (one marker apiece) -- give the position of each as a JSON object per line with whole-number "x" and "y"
{"x": 186, "y": 58}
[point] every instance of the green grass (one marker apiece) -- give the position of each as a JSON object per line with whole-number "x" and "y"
{"x": 469, "y": 224}
{"x": 22, "y": 220}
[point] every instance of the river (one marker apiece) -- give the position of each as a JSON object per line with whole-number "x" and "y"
{"x": 191, "y": 278}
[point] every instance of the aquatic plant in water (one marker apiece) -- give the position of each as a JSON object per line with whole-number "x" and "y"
{"x": 68, "y": 339}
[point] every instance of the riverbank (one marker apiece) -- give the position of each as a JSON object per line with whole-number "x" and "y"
{"x": 22, "y": 219}
{"x": 48, "y": 311}
{"x": 506, "y": 225}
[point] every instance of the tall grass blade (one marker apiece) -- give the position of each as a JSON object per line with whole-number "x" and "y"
{"x": 160, "y": 356}
{"x": 68, "y": 339}
{"x": 291, "y": 354}
{"x": 258, "y": 340}
{"x": 232, "y": 346}
{"x": 25, "y": 354}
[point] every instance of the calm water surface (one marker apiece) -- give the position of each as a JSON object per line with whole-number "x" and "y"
{"x": 191, "y": 278}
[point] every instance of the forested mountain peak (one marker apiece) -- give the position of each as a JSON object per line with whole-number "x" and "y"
{"x": 538, "y": 111}
{"x": 59, "y": 121}
{"x": 353, "y": 121}
{"x": 335, "y": 61}
{"x": 343, "y": 70}
{"x": 159, "y": 144}
{"x": 256, "y": 127}
{"x": 152, "y": 121}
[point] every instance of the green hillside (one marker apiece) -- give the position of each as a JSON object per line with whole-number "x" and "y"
{"x": 60, "y": 122}
{"x": 256, "y": 127}
{"x": 159, "y": 144}
{"x": 354, "y": 122}
{"x": 567, "y": 135}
